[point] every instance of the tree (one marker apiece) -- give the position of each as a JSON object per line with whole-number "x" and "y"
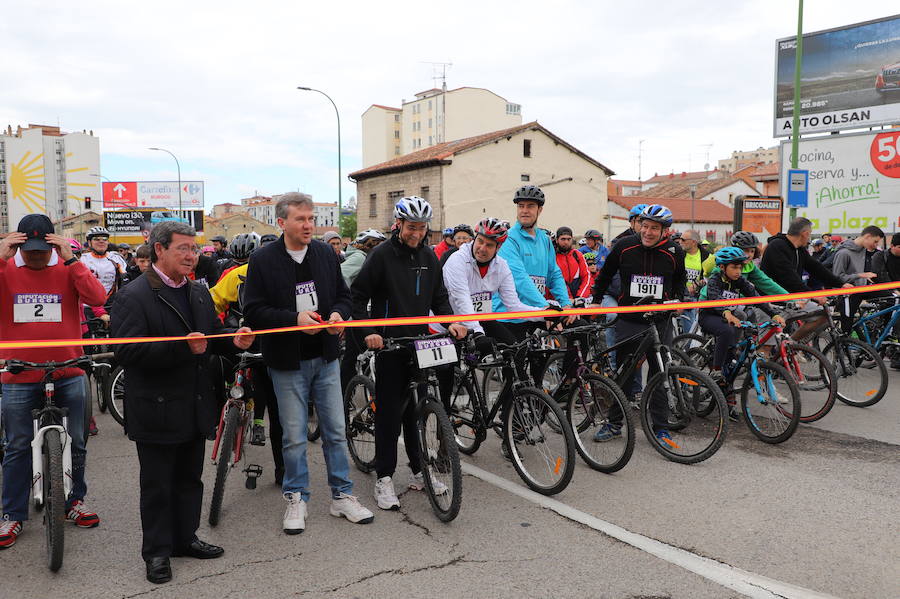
{"x": 348, "y": 225}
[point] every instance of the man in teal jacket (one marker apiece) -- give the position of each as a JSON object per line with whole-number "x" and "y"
{"x": 531, "y": 257}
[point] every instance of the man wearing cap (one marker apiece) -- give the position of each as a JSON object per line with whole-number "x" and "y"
{"x": 43, "y": 285}
{"x": 572, "y": 264}
{"x": 220, "y": 245}
{"x": 333, "y": 239}
{"x": 594, "y": 243}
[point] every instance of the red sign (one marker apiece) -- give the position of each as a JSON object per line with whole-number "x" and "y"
{"x": 885, "y": 154}
{"x": 120, "y": 194}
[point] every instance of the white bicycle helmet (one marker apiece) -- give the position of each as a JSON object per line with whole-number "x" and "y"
{"x": 370, "y": 234}
{"x": 97, "y": 232}
{"x": 413, "y": 209}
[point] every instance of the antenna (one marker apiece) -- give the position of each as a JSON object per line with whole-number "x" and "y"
{"x": 707, "y": 146}
{"x": 439, "y": 72}
{"x": 640, "y": 151}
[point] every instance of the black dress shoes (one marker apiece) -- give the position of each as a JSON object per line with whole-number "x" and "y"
{"x": 200, "y": 550}
{"x": 159, "y": 570}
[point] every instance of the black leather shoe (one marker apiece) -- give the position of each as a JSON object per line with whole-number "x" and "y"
{"x": 200, "y": 550}
{"x": 159, "y": 570}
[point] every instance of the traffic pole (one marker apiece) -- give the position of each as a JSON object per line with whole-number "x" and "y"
{"x": 795, "y": 125}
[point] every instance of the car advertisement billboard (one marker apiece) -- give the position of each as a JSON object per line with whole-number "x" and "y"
{"x": 854, "y": 180}
{"x": 152, "y": 194}
{"x": 850, "y": 78}
{"x": 139, "y": 223}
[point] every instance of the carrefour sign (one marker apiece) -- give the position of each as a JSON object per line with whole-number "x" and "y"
{"x": 153, "y": 194}
{"x": 854, "y": 180}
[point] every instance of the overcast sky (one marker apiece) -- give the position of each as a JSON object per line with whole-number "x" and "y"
{"x": 215, "y": 82}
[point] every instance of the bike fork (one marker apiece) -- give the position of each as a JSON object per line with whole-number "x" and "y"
{"x": 37, "y": 460}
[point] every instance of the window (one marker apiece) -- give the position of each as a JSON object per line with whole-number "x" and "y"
{"x": 526, "y": 148}
{"x": 526, "y": 177}
{"x": 373, "y": 205}
{"x": 396, "y": 150}
{"x": 430, "y": 143}
{"x": 429, "y": 124}
{"x": 429, "y": 104}
{"x": 423, "y": 193}
{"x": 396, "y": 135}
{"x": 396, "y": 118}
{"x": 513, "y": 109}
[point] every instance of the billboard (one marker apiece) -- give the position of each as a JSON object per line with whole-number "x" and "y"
{"x": 850, "y": 78}
{"x": 139, "y": 223}
{"x": 854, "y": 180}
{"x": 759, "y": 214}
{"x": 26, "y": 190}
{"x": 152, "y": 194}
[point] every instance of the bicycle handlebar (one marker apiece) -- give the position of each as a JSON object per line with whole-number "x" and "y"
{"x": 14, "y": 366}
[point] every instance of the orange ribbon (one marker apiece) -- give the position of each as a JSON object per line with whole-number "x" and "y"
{"x": 414, "y": 320}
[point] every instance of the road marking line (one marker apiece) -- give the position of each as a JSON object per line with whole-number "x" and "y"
{"x": 747, "y": 583}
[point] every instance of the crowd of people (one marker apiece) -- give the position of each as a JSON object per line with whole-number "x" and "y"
{"x": 173, "y": 286}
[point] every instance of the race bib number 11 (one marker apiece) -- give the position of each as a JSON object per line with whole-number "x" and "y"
{"x": 434, "y": 352}
{"x": 37, "y": 307}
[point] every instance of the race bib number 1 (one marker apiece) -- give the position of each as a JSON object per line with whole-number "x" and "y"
{"x": 306, "y": 296}
{"x": 642, "y": 286}
{"x": 37, "y": 307}
{"x": 481, "y": 301}
{"x": 540, "y": 283}
{"x": 434, "y": 352}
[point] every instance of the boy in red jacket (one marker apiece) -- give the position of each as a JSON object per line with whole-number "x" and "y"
{"x": 42, "y": 289}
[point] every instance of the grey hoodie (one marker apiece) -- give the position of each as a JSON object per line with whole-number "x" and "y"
{"x": 850, "y": 259}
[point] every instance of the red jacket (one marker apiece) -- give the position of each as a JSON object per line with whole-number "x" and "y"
{"x": 44, "y": 304}
{"x": 575, "y": 272}
{"x": 440, "y": 248}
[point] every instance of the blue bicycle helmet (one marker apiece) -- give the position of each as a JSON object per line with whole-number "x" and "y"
{"x": 636, "y": 211}
{"x": 658, "y": 214}
{"x": 730, "y": 255}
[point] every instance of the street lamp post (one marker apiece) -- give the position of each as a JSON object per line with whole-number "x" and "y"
{"x": 338, "y": 115}
{"x": 693, "y": 188}
{"x": 81, "y": 225}
{"x": 178, "y": 166}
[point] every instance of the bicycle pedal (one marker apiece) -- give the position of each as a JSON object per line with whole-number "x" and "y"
{"x": 253, "y": 471}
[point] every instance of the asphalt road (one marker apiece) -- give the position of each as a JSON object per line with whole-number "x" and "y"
{"x": 819, "y": 512}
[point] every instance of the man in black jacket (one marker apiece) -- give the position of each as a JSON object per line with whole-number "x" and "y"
{"x": 297, "y": 281}
{"x": 402, "y": 278}
{"x": 170, "y": 408}
{"x": 886, "y": 265}
{"x": 785, "y": 259}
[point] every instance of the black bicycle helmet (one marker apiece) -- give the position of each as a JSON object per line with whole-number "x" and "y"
{"x": 267, "y": 238}
{"x": 530, "y": 193}
{"x": 464, "y": 229}
{"x": 744, "y": 240}
{"x": 243, "y": 245}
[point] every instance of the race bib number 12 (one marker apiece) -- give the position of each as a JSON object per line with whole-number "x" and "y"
{"x": 37, "y": 307}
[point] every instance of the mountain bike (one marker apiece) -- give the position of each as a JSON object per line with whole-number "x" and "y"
{"x": 359, "y": 412}
{"x": 51, "y": 454}
{"x": 876, "y": 324}
{"x": 233, "y": 431}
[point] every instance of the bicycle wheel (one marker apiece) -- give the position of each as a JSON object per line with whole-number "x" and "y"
{"x": 694, "y": 409}
{"x": 115, "y": 393}
{"x": 359, "y": 412}
{"x": 815, "y": 378}
{"x": 88, "y": 413}
{"x": 465, "y": 418}
{"x": 774, "y": 413}
{"x": 862, "y": 375}
{"x": 54, "y": 499}
{"x": 99, "y": 377}
{"x": 601, "y": 423}
{"x": 540, "y": 441}
{"x": 686, "y": 341}
{"x": 312, "y": 424}
{"x": 440, "y": 461}
{"x": 224, "y": 463}
{"x": 491, "y": 386}
{"x": 552, "y": 375}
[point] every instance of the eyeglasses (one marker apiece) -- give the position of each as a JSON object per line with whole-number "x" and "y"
{"x": 186, "y": 249}
{"x": 98, "y": 238}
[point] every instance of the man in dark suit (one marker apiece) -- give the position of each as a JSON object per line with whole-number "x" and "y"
{"x": 170, "y": 407}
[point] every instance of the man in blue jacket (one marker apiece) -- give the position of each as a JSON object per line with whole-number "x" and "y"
{"x": 532, "y": 259}
{"x": 297, "y": 281}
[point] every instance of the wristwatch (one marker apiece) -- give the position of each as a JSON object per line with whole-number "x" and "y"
{"x": 71, "y": 260}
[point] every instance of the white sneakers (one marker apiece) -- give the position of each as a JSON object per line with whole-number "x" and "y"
{"x": 344, "y": 505}
{"x": 294, "y": 514}
{"x": 417, "y": 483}
{"x": 385, "y": 495}
{"x": 349, "y": 507}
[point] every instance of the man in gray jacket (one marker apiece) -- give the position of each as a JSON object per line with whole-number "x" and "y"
{"x": 357, "y": 252}
{"x": 853, "y": 264}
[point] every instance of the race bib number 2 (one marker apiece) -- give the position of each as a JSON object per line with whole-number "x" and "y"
{"x": 642, "y": 285}
{"x": 481, "y": 301}
{"x": 307, "y": 299}
{"x": 434, "y": 352}
{"x": 37, "y": 307}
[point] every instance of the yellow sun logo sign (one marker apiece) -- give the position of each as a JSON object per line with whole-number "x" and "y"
{"x": 26, "y": 180}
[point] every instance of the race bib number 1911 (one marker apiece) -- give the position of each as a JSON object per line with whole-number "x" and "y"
{"x": 434, "y": 352}
{"x": 642, "y": 286}
{"x": 306, "y": 296}
{"x": 37, "y": 307}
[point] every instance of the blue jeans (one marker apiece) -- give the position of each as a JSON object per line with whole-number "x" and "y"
{"x": 18, "y": 401}
{"x": 688, "y": 317}
{"x": 319, "y": 381}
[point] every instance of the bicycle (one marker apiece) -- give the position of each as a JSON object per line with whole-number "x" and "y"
{"x": 590, "y": 401}
{"x": 695, "y": 406}
{"x": 862, "y": 375}
{"x": 878, "y": 323}
{"x": 232, "y": 432}
{"x": 51, "y": 454}
{"x": 439, "y": 454}
{"x": 359, "y": 413}
{"x": 98, "y": 329}
{"x": 533, "y": 427}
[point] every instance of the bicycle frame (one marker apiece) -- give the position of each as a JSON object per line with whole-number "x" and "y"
{"x": 54, "y": 414}
{"x": 649, "y": 340}
{"x": 861, "y": 325}
{"x": 245, "y": 406}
